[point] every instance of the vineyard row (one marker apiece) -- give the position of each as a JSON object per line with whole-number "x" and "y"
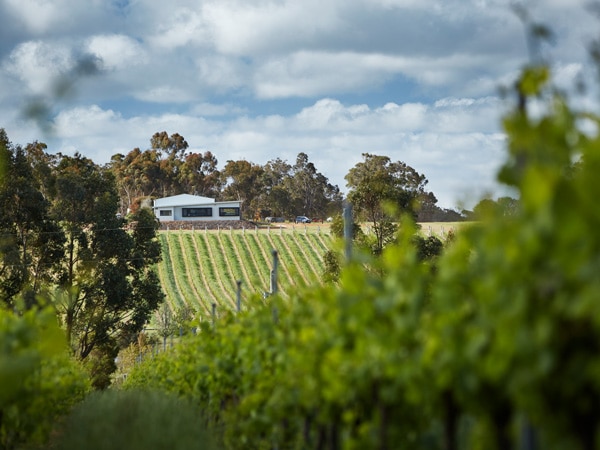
{"x": 200, "y": 269}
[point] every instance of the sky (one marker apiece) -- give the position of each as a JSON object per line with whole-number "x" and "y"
{"x": 419, "y": 81}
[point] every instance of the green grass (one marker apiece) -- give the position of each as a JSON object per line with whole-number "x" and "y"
{"x": 166, "y": 273}
{"x": 201, "y": 268}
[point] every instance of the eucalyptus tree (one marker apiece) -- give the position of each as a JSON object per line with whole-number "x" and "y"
{"x": 275, "y": 199}
{"x": 166, "y": 168}
{"x": 31, "y": 243}
{"x": 172, "y": 149}
{"x": 108, "y": 289}
{"x": 380, "y": 190}
{"x": 311, "y": 192}
{"x": 136, "y": 175}
{"x": 199, "y": 175}
{"x": 242, "y": 181}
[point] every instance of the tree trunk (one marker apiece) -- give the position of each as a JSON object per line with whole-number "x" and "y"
{"x": 450, "y": 421}
{"x": 384, "y": 411}
{"x": 501, "y": 421}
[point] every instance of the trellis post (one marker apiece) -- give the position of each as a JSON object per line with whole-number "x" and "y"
{"x": 348, "y": 231}
{"x": 274, "y": 272}
{"x": 239, "y": 295}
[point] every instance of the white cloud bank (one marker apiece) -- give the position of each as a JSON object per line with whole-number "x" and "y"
{"x": 259, "y": 79}
{"x": 451, "y": 142}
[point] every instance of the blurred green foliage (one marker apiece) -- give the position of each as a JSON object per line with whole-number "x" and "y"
{"x": 39, "y": 382}
{"x": 500, "y": 342}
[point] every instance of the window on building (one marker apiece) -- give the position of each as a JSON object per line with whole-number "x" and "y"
{"x": 196, "y": 212}
{"x": 229, "y": 212}
{"x": 166, "y": 212}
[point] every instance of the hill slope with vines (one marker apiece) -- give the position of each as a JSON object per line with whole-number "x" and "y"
{"x": 202, "y": 267}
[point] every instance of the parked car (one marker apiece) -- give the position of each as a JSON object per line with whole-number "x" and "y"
{"x": 302, "y": 219}
{"x": 274, "y": 219}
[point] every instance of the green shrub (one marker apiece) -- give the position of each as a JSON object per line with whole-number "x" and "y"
{"x": 132, "y": 420}
{"x": 39, "y": 382}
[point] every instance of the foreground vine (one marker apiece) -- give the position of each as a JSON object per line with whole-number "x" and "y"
{"x": 496, "y": 340}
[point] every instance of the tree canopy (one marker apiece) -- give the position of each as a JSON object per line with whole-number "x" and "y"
{"x": 381, "y": 190}
{"x": 31, "y": 243}
{"x": 276, "y": 188}
{"x": 62, "y": 239}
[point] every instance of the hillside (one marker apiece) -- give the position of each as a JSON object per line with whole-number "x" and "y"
{"x": 202, "y": 267}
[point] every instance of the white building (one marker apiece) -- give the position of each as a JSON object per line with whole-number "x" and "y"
{"x": 194, "y": 207}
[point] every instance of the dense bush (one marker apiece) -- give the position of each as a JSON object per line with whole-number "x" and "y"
{"x": 39, "y": 382}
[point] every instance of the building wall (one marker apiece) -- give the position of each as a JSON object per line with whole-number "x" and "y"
{"x": 200, "y": 213}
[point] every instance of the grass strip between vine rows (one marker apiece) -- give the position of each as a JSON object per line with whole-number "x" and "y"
{"x": 183, "y": 271}
{"x": 233, "y": 268}
{"x": 199, "y": 282}
{"x": 220, "y": 267}
{"x": 324, "y": 240}
{"x": 285, "y": 275}
{"x": 261, "y": 255}
{"x": 229, "y": 244}
{"x": 174, "y": 292}
{"x": 310, "y": 244}
{"x": 297, "y": 262}
{"x": 247, "y": 257}
{"x": 209, "y": 273}
{"x": 293, "y": 241}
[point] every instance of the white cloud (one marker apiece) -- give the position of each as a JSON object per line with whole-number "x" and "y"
{"x": 82, "y": 122}
{"x": 163, "y": 94}
{"x": 241, "y": 27}
{"x": 457, "y": 161}
{"x": 329, "y": 114}
{"x": 47, "y": 17}
{"x": 117, "y": 51}
{"x": 38, "y": 63}
{"x": 210, "y": 109}
{"x": 180, "y": 27}
{"x": 404, "y": 4}
{"x": 38, "y": 15}
{"x": 316, "y": 73}
{"x": 258, "y": 79}
{"x": 220, "y": 72}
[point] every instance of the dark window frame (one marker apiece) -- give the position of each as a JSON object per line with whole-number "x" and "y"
{"x": 235, "y": 211}
{"x": 197, "y": 212}
{"x": 165, "y": 212}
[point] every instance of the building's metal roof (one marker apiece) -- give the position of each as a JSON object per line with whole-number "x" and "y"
{"x": 182, "y": 200}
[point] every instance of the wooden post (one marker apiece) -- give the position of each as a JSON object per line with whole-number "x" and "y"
{"x": 274, "y": 273}
{"x": 348, "y": 231}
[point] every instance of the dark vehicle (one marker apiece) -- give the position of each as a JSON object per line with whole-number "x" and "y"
{"x": 275, "y": 219}
{"x": 303, "y": 219}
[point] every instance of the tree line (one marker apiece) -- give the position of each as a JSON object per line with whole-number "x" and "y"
{"x": 278, "y": 188}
